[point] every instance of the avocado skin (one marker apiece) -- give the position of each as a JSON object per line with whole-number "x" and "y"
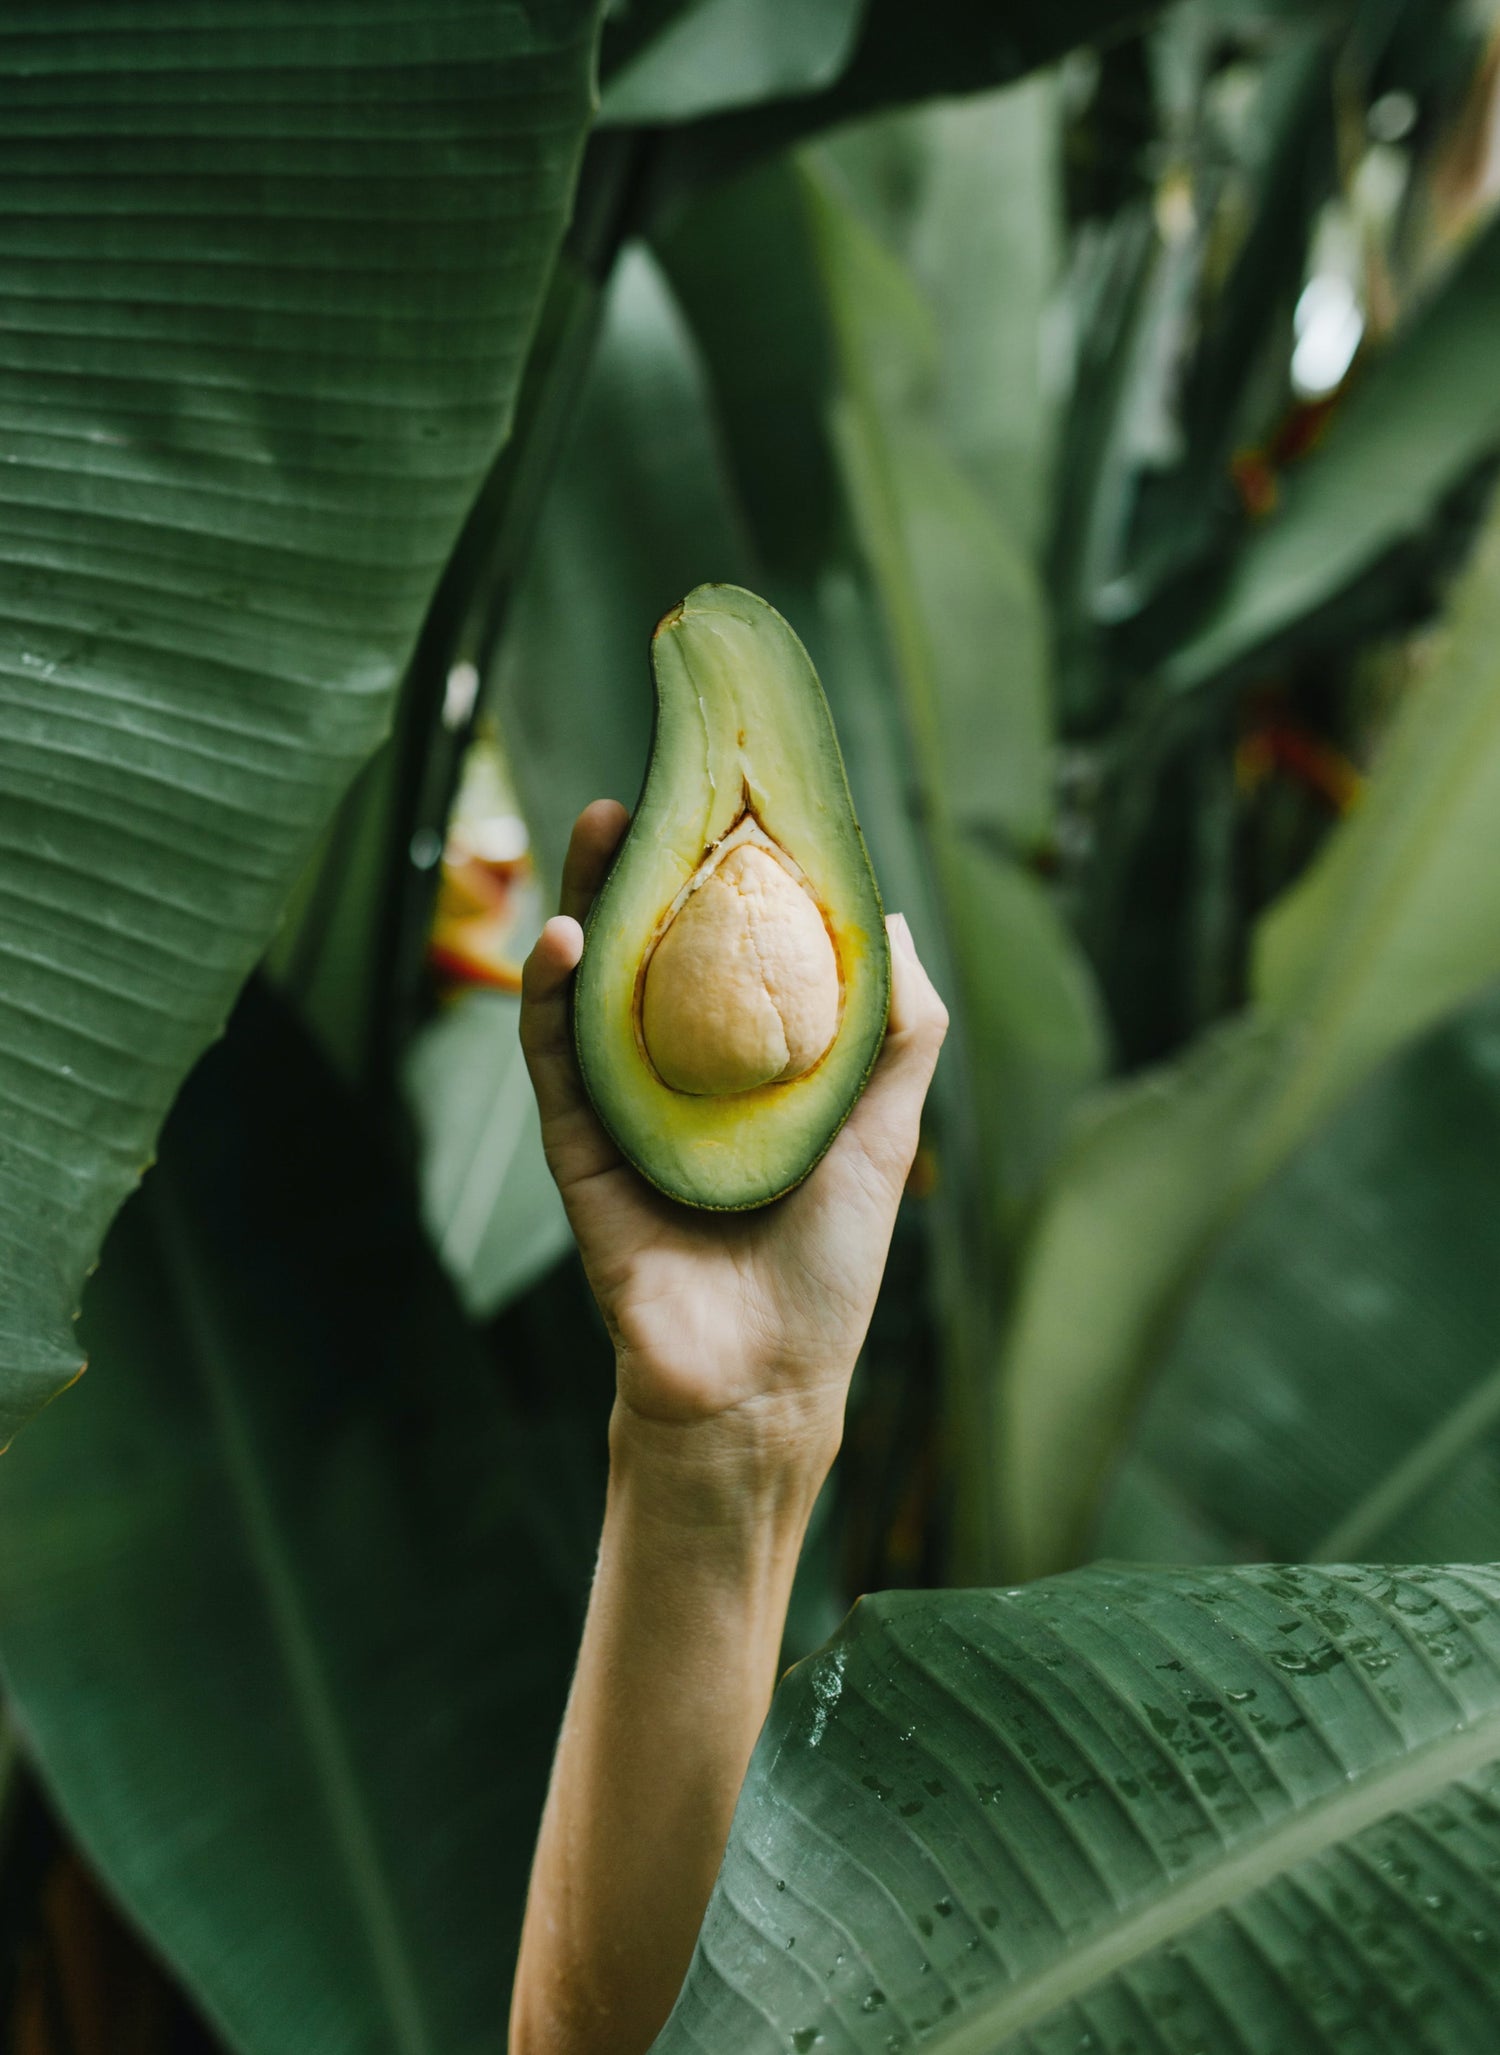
{"x": 739, "y": 716}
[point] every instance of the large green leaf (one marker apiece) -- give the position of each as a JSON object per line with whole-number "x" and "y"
{"x": 1422, "y": 417}
{"x": 637, "y": 514}
{"x": 967, "y": 194}
{"x": 903, "y": 54}
{"x": 1398, "y": 922}
{"x": 1334, "y": 1391}
{"x": 669, "y": 62}
{"x": 1129, "y": 1812}
{"x": 957, "y": 586}
{"x": 271, "y": 282}
{"x": 285, "y": 1617}
{"x": 488, "y": 1199}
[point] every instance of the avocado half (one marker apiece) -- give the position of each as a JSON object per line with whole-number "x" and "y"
{"x": 735, "y": 980}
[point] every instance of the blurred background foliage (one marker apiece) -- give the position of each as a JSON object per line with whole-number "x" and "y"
{"x": 1107, "y": 395}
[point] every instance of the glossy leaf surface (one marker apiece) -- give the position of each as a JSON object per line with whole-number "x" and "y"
{"x": 1130, "y": 1812}
{"x": 271, "y": 282}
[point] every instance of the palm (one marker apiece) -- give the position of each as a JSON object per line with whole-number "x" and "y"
{"x": 707, "y": 1308}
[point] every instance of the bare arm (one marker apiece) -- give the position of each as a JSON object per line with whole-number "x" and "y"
{"x": 735, "y": 1339}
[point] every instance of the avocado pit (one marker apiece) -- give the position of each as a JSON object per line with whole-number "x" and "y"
{"x": 741, "y": 986}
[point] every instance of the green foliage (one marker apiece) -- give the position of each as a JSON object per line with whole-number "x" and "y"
{"x": 488, "y": 1200}
{"x": 1122, "y": 1810}
{"x": 1412, "y": 431}
{"x": 668, "y": 61}
{"x": 274, "y": 282}
{"x": 1333, "y": 1392}
{"x": 314, "y": 384}
{"x": 282, "y": 1596}
{"x": 1398, "y": 922}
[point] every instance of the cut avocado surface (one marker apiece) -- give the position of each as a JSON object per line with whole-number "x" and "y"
{"x": 732, "y": 996}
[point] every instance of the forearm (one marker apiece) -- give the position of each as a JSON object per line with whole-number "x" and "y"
{"x": 702, "y": 1530}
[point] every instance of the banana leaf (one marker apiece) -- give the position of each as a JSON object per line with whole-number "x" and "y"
{"x": 1334, "y": 1391}
{"x": 488, "y": 1200}
{"x": 1128, "y": 1812}
{"x": 950, "y": 47}
{"x": 1416, "y": 423}
{"x": 288, "y": 1592}
{"x": 1397, "y": 923}
{"x": 271, "y": 281}
{"x": 665, "y": 62}
{"x": 638, "y": 512}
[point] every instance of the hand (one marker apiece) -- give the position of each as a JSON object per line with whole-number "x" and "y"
{"x": 743, "y": 1325}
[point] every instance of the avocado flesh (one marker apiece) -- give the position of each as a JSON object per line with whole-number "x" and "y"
{"x": 745, "y": 773}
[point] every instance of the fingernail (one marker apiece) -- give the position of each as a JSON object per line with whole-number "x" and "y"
{"x": 903, "y": 934}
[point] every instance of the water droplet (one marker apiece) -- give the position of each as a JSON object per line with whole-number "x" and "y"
{"x": 872, "y": 2001}
{"x": 804, "y": 2038}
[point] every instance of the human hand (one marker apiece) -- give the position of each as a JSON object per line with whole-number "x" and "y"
{"x": 734, "y": 1333}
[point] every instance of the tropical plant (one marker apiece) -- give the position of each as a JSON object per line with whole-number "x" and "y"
{"x": 1106, "y": 394}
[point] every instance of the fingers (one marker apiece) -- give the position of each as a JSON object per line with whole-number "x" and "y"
{"x": 596, "y": 836}
{"x": 576, "y": 1145}
{"x": 887, "y": 1121}
{"x": 546, "y": 1039}
{"x": 546, "y": 1028}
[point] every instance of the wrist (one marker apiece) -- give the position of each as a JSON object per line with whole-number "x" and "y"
{"x": 753, "y": 1471}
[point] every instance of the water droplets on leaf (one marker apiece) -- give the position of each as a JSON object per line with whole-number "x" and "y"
{"x": 827, "y": 1685}
{"x": 1311, "y": 1662}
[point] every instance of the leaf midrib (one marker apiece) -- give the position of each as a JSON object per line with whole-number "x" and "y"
{"x": 1195, "y": 1897}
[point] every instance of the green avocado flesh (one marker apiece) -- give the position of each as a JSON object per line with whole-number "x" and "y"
{"x": 766, "y": 1006}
